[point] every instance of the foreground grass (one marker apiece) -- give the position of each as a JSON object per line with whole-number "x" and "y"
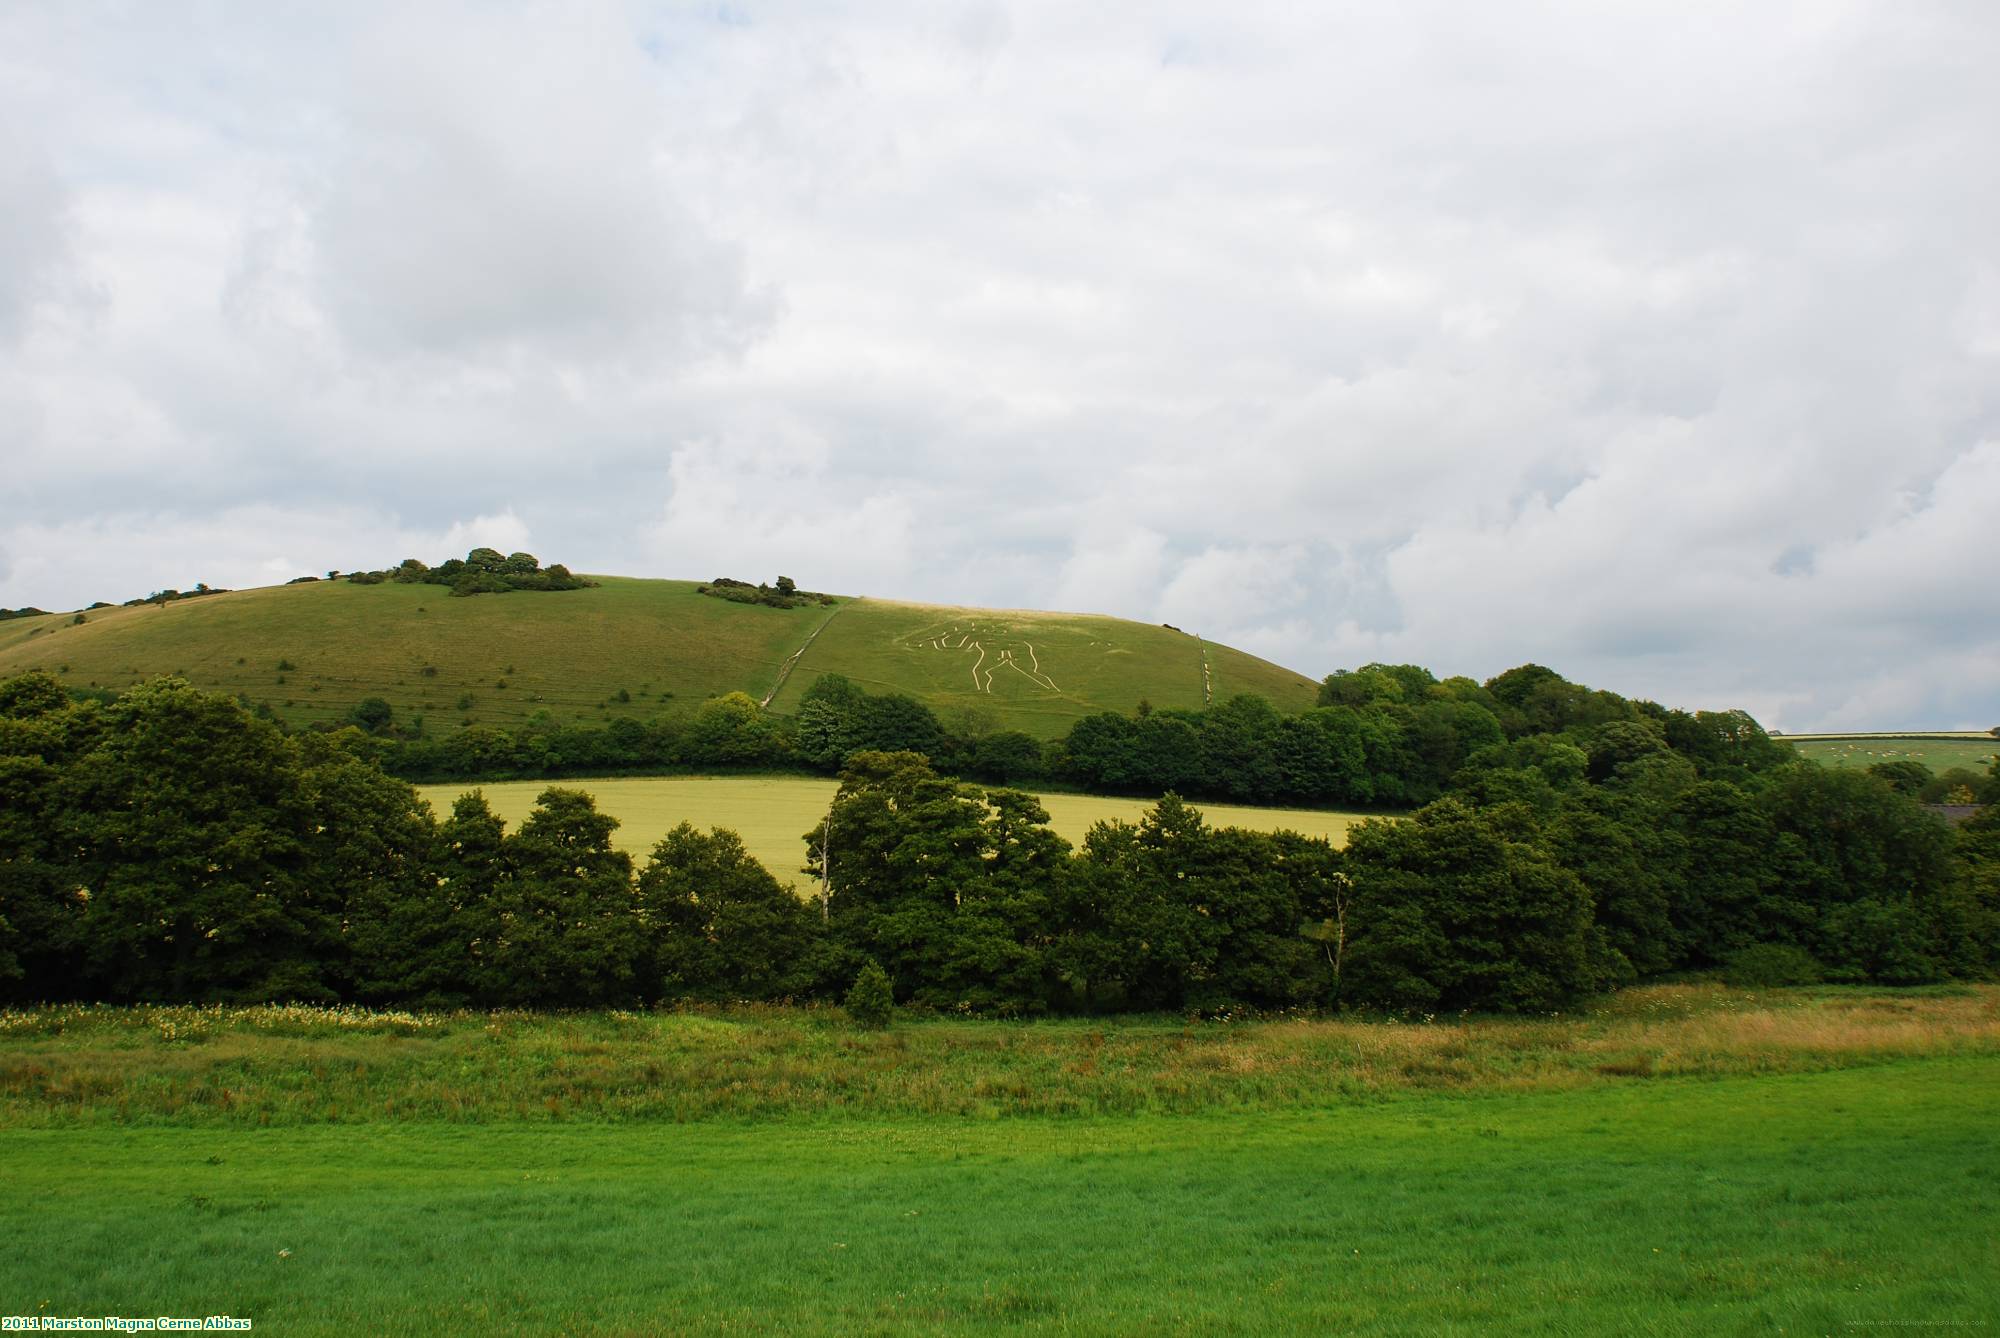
{"x": 1800, "y": 1203}
{"x": 71, "y": 1065}
{"x": 773, "y": 813}
{"x": 1678, "y": 1159}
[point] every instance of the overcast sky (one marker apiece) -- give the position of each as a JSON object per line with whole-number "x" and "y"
{"x": 1658, "y": 343}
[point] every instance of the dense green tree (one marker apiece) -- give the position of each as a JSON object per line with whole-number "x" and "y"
{"x": 1133, "y": 936}
{"x": 1620, "y": 743}
{"x": 568, "y": 931}
{"x": 192, "y": 824}
{"x": 41, "y": 732}
{"x": 1904, "y": 775}
{"x": 1454, "y": 909}
{"x": 1731, "y": 892}
{"x": 374, "y": 853}
{"x": 733, "y": 730}
{"x": 943, "y": 884}
{"x": 896, "y": 723}
{"x": 1871, "y": 863}
{"x": 1006, "y": 756}
{"x": 719, "y": 925}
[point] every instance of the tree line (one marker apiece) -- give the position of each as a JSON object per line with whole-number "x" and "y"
{"x": 1383, "y": 737}
{"x": 168, "y": 845}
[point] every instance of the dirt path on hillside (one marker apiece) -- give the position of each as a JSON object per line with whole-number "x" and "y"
{"x": 785, "y": 669}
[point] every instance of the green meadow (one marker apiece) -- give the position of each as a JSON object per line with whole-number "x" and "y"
{"x": 1939, "y": 752}
{"x": 773, "y": 813}
{"x": 1682, "y": 1159}
{"x": 626, "y": 648}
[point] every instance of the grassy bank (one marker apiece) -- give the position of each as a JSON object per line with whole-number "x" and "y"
{"x": 277, "y": 1067}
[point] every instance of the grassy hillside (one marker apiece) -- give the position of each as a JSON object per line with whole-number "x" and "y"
{"x": 497, "y": 659}
{"x": 1939, "y": 752}
{"x": 1038, "y": 672}
{"x": 569, "y": 653}
{"x": 772, "y": 813}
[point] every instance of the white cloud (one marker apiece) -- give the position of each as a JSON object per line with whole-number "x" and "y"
{"x": 1114, "y": 570}
{"x": 505, "y": 532}
{"x": 1655, "y": 343}
{"x": 758, "y": 512}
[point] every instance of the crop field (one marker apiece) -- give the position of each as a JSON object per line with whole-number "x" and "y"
{"x": 1038, "y": 672}
{"x": 1678, "y": 1159}
{"x": 628, "y": 648}
{"x": 1939, "y": 752}
{"x": 773, "y": 813}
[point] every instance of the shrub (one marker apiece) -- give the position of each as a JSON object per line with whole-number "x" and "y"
{"x": 1768, "y": 964}
{"x": 870, "y": 1002}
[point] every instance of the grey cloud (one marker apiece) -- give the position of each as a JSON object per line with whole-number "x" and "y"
{"x": 500, "y": 184}
{"x": 36, "y": 254}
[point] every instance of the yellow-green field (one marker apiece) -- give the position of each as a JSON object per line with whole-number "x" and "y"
{"x": 310, "y": 652}
{"x": 773, "y": 813}
{"x": 1939, "y": 752}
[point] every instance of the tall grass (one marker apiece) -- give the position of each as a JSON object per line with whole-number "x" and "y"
{"x": 81, "y": 1064}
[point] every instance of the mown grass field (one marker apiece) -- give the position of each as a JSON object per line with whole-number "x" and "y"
{"x": 1939, "y": 752}
{"x": 773, "y": 813}
{"x": 1682, "y": 1159}
{"x": 1038, "y": 672}
{"x": 498, "y": 659}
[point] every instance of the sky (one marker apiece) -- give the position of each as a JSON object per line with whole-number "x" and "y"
{"x": 1657, "y": 343}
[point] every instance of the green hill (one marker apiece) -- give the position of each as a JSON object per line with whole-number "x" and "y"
{"x": 312, "y": 651}
{"x": 1037, "y": 672}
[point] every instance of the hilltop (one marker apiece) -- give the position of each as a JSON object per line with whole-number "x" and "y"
{"x": 631, "y": 648}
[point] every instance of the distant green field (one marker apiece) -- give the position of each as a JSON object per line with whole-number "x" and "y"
{"x": 773, "y": 813}
{"x": 498, "y": 659}
{"x": 1039, "y": 672}
{"x": 1824, "y": 1164}
{"x": 1939, "y": 752}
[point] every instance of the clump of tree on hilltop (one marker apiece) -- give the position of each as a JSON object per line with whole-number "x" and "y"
{"x": 483, "y": 571}
{"x": 783, "y": 595}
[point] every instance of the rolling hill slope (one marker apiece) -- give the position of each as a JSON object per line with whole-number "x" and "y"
{"x": 312, "y": 651}
{"x": 1038, "y": 672}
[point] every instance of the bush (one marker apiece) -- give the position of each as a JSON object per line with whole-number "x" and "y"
{"x": 870, "y": 1002}
{"x": 1769, "y": 964}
